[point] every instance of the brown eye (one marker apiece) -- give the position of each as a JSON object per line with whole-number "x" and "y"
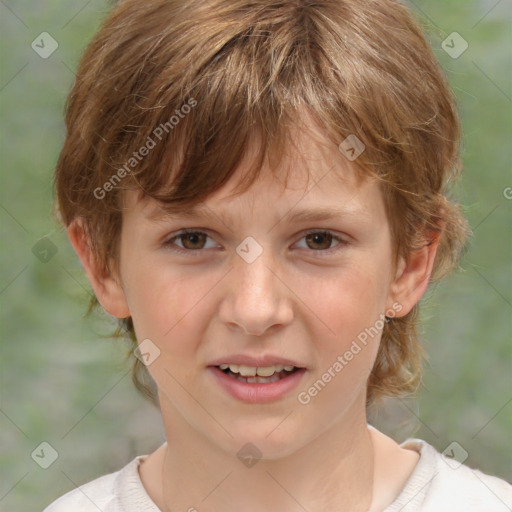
{"x": 319, "y": 240}
{"x": 189, "y": 242}
{"x": 193, "y": 240}
{"x": 320, "y": 243}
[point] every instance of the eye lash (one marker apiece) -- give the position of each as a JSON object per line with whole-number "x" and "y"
{"x": 168, "y": 242}
{"x": 342, "y": 241}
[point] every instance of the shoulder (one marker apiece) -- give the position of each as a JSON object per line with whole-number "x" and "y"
{"x": 99, "y": 494}
{"x": 443, "y": 484}
{"x": 469, "y": 489}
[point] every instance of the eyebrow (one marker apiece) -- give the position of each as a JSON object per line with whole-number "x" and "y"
{"x": 323, "y": 213}
{"x": 310, "y": 214}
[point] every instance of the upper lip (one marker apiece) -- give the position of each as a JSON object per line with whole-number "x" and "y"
{"x": 257, "y": 361}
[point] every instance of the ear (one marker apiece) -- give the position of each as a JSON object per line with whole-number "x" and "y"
{"x": 107, "y": 289}
{"x": 413, "y": 276}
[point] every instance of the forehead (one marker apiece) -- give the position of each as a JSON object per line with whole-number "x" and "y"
{"x": 313, "y": 181}
{"x": 268, "y": 203}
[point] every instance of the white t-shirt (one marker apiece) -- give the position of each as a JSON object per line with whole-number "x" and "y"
{"x": 437, "y": 484}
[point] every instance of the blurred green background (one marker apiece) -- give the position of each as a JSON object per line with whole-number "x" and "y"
{"x": 64, "y": 382}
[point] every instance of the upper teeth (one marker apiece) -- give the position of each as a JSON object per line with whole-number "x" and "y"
{"x": 251, "y": 371}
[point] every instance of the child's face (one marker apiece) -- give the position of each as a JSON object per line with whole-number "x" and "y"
{"x": 302, "y": 301}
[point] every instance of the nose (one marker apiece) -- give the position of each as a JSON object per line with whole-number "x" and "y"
{"x": 257, "y": 298}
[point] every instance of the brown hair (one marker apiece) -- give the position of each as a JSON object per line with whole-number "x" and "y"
{"x": 192, "y": 81}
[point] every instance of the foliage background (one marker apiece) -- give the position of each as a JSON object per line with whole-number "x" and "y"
{"x": 63, "y": 381}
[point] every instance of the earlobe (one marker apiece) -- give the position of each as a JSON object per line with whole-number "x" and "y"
{"x": 108, "y": 291}
{"x": 413, "y": 276}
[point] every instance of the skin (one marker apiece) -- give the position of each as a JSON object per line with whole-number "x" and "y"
{"x": 303, "y": 299}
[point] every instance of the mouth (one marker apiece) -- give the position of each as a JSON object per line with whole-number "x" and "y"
{"x": 257, "y": 374}
{"x": 256, "y": 379}
{"x": 257, "y": 384}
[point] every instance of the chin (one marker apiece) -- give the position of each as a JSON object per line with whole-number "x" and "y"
{"x": 261, "y": 441}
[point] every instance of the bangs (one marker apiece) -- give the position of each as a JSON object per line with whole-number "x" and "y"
{"x": 174, "y": 101}
{"x": 241, "y": 91}
{"x": 194, "y": 104}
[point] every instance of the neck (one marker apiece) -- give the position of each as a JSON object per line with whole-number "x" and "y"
{"x": 332, "y": 472}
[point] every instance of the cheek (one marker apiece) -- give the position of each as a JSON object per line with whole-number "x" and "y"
{"x": 352, "y": 307}
{"x": 346, "y": 303}
{"x": 166, "y": 306}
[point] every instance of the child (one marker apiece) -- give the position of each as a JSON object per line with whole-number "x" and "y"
{"x": 257, "y": 190}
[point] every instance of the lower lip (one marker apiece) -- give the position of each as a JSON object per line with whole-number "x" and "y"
{"x": 257, "y": 392}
